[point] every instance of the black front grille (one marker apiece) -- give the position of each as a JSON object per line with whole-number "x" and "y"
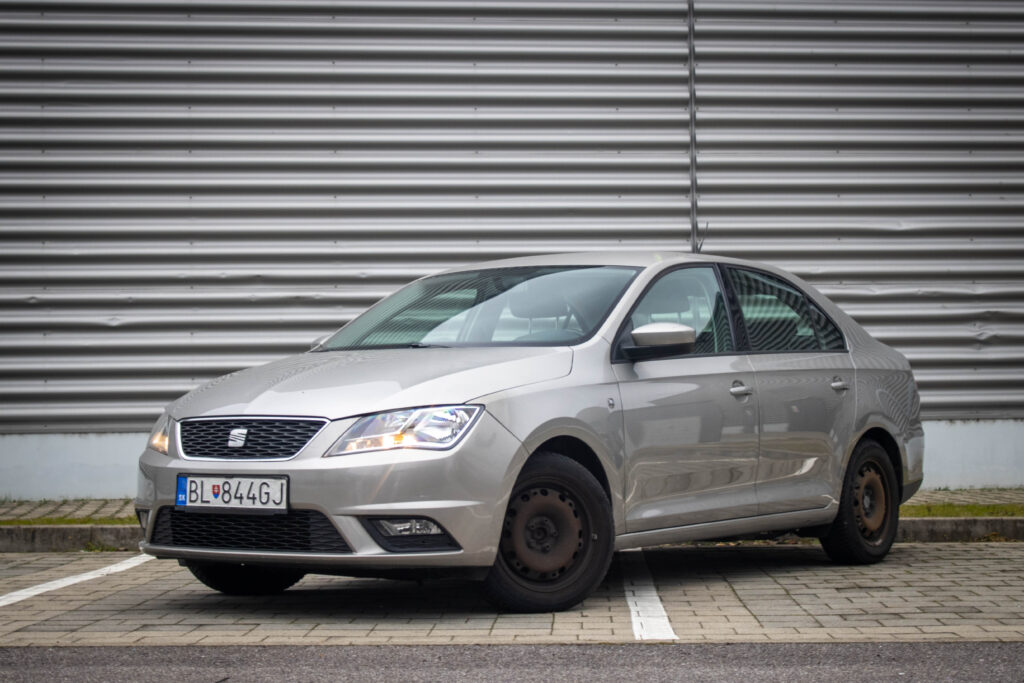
{"x": 300, "y": 531}
{"x": 262, "y": 438}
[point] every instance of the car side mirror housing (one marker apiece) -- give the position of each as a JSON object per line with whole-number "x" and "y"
{"x": 660, "y": 340}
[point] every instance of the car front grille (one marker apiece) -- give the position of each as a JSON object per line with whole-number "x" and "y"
{"x": 299, "y": 531}
{"x": 246, "y": 438}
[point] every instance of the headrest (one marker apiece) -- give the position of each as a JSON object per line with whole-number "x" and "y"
{"x": 525, "y": 303}
{"x": 664, "y": 298}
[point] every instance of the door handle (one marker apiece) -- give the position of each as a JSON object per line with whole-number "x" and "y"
{"x": 839, "y": 384}
{"x": 740, "y": 389}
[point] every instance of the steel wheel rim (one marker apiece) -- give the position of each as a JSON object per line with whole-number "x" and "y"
{"x": 543, "y": 534}
{"x": 871, "y": 505}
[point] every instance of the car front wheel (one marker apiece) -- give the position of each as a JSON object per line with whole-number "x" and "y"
{"x": 865, "y": 527}
{"x": 556, "y": 540}
{"x": 243, "y": 579}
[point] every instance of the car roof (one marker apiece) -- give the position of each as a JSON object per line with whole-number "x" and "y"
{"x": 664, "y": 259}
{"x": 649, "y": 259}
{"x": 642, "y": 259}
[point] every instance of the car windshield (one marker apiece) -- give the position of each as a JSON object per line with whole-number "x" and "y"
{"x": 525, "y": 306}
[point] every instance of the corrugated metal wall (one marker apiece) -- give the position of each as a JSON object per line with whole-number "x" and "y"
{"x": 877, "y": 148}
{"x": 190, "y": 188}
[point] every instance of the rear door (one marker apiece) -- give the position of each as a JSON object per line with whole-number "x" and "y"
{"x": 804, "y": 382}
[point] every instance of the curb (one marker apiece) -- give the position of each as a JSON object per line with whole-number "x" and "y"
{"x": 71, "y": 537}
{"x": 959, "y": 529}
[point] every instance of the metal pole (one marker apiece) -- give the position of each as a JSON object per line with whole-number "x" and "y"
{"x": 694, "y": 243}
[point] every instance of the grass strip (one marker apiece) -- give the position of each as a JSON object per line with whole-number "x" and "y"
{"x": 962, "y": 510}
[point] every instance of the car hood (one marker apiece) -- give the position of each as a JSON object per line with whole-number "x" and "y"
{"x": 336, "y": 384}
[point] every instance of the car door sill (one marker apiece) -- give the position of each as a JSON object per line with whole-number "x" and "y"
{"x": 730, "y": 527}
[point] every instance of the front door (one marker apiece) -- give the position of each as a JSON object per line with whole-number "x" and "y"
{"x": 690, "y": 421}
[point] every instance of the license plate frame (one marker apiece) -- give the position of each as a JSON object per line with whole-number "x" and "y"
{"x": 207, "y": 493}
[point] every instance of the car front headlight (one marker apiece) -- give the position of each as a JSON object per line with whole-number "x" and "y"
{"x": 161, "y": 434}
{"x": 434, "y": 428}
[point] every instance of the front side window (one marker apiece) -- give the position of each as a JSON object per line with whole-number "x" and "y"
{"x": 687, "y": 296}
{"x": 778, "y": 316}
{"x": 532, "y": 306}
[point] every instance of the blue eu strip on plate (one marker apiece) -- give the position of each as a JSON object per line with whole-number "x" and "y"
{"x": 182, "y": 497}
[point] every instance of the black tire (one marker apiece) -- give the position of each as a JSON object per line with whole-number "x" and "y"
{"x": 869, "y": 509}
{"x": 244, "y": 579}
{"x": 557, "y": 538}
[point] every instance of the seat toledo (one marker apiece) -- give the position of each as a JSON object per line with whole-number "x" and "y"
{"x": 519, "y": 421}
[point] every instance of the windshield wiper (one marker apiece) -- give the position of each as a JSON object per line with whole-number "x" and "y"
{"x": 413, "y": 345}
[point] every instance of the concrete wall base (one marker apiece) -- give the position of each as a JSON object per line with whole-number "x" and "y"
{"x": 958, "y": 454}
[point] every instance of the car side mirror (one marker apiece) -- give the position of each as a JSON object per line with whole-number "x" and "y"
{"x": 318, "y": 342}
{"x": 660, "y": 340}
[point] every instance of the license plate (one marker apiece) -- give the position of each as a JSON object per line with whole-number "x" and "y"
{"x": 234, "y": 493}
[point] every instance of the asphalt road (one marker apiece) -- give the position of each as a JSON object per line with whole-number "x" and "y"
{"x": 790, "y": 662}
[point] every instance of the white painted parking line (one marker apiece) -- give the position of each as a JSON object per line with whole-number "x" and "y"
{"x": 645, "y": 609}
{"x": 32, "y": 591}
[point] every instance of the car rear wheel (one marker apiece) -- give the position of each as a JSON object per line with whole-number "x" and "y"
{"x": 243, "y": 579}
{"x": 556, "y": 541}
{"x": 865, "y": 527}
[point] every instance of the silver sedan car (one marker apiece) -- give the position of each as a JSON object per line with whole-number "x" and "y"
{"x": 519, "y": 421}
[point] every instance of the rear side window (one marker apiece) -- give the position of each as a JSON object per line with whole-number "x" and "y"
{"x": 831, "y": 337}
{"x": 779, "y": 317}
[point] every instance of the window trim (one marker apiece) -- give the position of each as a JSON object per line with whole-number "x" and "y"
{"x": 626, "y": 319}
{"x": 741, "y": 322}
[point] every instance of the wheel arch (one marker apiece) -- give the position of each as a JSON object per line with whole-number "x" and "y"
{"x": 889, "y": 444}
{"x": 577, "y": 450}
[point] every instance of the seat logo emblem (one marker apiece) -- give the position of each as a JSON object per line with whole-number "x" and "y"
{"x": 236, "y": 437}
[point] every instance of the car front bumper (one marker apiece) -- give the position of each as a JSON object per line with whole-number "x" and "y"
{"x": 464, "y": 489}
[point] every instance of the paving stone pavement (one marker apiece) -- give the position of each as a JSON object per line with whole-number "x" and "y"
{"x": 771, "y": 593}
{"x": 122, "y": 507}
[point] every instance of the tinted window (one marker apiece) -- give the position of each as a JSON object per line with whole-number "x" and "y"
{"x": 831, "y": 337}
{"x": 778, "y": 317}
{"x": 545, "y": 306}
{"x": 688, "y": 296}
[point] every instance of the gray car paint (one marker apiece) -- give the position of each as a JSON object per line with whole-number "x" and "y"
{"x": 805, "y": 426}
{"x": 534, "y": 394}
{"x": 693, "y": 446}
{"x": 339, "y": 384}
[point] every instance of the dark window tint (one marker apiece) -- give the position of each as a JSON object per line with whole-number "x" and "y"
{"x": 831, "y": 337}
{"x": 778, "y": 316}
